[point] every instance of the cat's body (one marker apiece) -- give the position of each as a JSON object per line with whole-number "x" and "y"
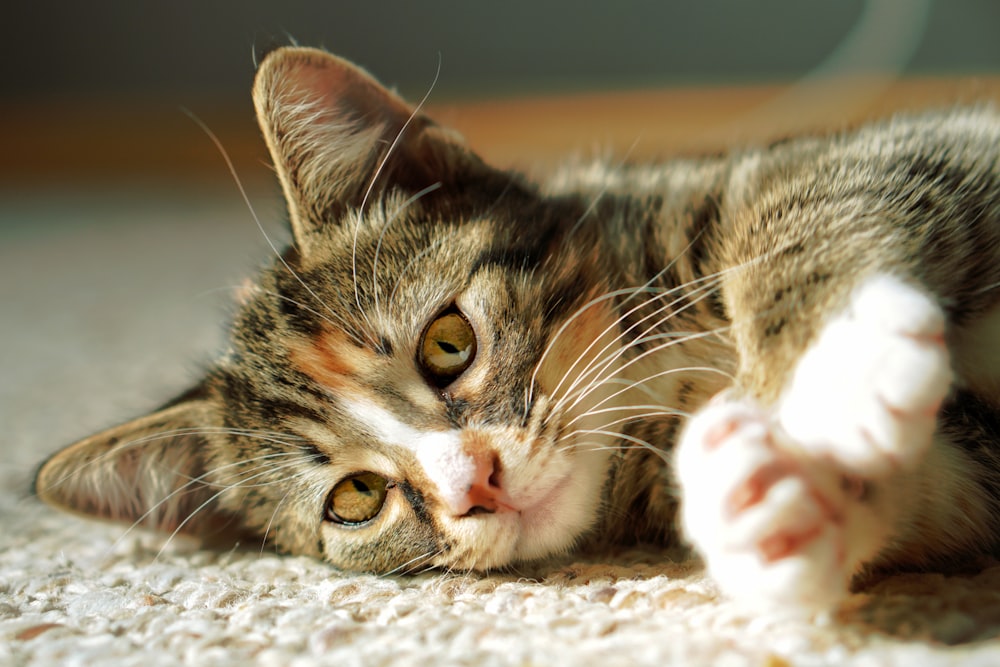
{"x": 455, "y": 367}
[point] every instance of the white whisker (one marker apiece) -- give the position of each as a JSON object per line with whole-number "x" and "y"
{"x": 180, "y": 432}
{"x": 597, "y": 378}
{"x": 586, "y": 391}
{"x": 629, "y": 438}
{"x": 642, "y": 289}
{"x": 569, "y": 321}
{"x": 706, "y": 285}
{"x": 375, "y": 177}
{"x": 412, "y": 261}
{"x": 253, "y": 213}
{"x": 192, "y": 482}
{"x": 214, "y": 497}
{"x": 378, "y": 246}
{"x": 603, "y": 191}
{"x": 406, "y": 567}
{"x": 591, "y": 367}
{"x": 655, "y": 411}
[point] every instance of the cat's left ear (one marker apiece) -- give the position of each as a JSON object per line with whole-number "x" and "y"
{"x": 149, "y": 472}
{"x": 338, "y": 137}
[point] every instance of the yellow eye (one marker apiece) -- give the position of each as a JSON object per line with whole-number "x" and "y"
{"x": 357, "y": 499}
{"x": 448, "y": 348}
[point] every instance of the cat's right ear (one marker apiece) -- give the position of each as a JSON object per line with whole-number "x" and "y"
{"x": 148, "y": 472}
{"x": 338, "y": 137}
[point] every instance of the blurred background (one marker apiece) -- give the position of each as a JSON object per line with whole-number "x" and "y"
{"x": 93, "y": 90}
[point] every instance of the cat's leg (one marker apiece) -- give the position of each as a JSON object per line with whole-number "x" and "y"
{"x": 868, "y": 390}
{"x": 787, "y": 502}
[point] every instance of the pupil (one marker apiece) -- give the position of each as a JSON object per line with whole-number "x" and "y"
{"x": 360, "y": 486}
{"x": 447, "y": 347}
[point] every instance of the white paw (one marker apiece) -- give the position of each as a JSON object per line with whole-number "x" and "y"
{"x": 867, "y": 392}
{"x": 773, "y": 527}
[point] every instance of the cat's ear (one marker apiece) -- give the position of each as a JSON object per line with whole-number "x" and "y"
{"x": 337, "y": 137}
{"x": 148, "y": 472}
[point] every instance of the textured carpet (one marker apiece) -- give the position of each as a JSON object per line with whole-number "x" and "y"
{"x": 109, "y": 302}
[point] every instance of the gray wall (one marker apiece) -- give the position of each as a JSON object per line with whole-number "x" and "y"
{"x": 181, "y": 49}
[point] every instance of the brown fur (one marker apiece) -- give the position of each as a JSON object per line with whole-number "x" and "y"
{"x": 650, "y": 285}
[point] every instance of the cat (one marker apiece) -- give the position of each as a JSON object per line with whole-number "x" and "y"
{"x": 786, "y": 355}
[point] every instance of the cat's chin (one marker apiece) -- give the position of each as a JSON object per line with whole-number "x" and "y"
{"x": 554, "y": 523}
{"x": 543, "y": 525}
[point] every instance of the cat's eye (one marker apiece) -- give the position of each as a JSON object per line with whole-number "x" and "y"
{"x": 448, "y": 348}
{"x": 357, "y": 498}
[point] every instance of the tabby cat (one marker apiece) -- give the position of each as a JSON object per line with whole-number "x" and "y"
{"x": 788, "y": 352}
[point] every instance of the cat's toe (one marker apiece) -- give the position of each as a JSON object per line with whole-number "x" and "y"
{"x": 769, "y": 524}
{"x": 868, "y": 390}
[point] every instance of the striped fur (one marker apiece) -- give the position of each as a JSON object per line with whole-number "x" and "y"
{"x": 609, "y": 303}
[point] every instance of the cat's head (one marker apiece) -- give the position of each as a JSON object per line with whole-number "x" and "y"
{"x": 413, "y": 383}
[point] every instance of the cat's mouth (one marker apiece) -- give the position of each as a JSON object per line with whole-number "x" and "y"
{"x": 554, "y": 523}
{"x": 541, "y": 511}
{"x": 522, "y": 530}
{"x": 561, "y": 504}
{"x": 511, "y": 494}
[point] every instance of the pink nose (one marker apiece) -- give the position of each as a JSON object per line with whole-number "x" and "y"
{"x": 485, "y": 494}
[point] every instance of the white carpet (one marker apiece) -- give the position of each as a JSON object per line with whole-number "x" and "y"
{"x": 107, "y": 305}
